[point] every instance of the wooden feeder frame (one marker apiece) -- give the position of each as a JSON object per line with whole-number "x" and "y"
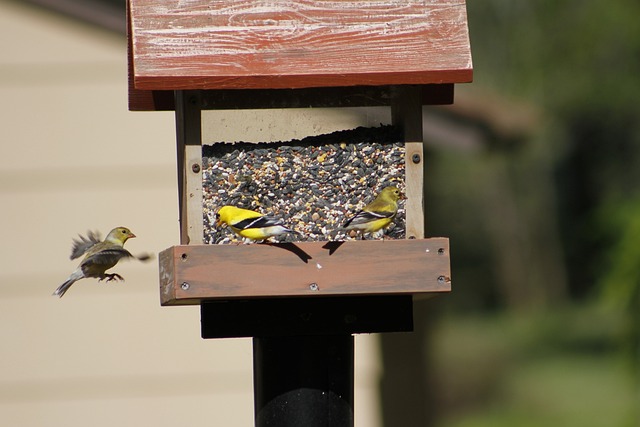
{"x": 299, "y": 299}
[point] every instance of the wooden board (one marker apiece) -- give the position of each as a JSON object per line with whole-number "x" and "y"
{"x": 326, "y": 97}
{"x": 190, "y": 274}
{"x": 189, "y": 156}
{"x": 306, "y": 316}
{"x": 406, "y": 114}
{"x": 247, "y": 44}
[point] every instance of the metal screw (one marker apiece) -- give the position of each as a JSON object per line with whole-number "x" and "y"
{"x": 441, "y": 280}
{"x": 183, "y": 257}
{"x": 441, "y": 251}
{"x": 195, "y": 168}
{"x": 184, "y": 286}
{"x": 415, "y": 158}
{"x": 314, "y": 287}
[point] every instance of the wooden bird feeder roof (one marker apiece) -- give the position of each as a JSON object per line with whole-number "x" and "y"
{"x": 248, "y": 44}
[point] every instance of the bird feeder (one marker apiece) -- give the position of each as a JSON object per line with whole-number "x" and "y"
{"x": 301, "y": 300}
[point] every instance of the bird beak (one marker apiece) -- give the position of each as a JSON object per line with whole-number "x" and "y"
{"x": 131, "y": 235}
{"x": 403, "y": 196}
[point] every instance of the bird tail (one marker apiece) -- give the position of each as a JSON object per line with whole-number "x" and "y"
{"x": 63, "y": 288}
{"x": 75, "y": 276}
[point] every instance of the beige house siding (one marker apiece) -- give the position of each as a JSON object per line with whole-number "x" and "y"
{"x": 73, "y": 158}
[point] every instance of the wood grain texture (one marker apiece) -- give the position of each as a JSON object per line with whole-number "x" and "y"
{"x": 192, "y": 273}
{"x": 414, "y": 179}
{"x": 193, "y": 193}
{"x": 406, "y": 114}
{"x": 143, "y": 100}
{"x": 248, "y": 44}
{"x": 189, "y": 153}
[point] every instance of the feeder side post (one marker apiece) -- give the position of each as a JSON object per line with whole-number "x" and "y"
{"x": 406, "y": 113}
{"x": 189, "y": 155}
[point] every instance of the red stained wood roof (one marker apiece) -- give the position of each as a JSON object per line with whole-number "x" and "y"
{"x": 254, "y": 44}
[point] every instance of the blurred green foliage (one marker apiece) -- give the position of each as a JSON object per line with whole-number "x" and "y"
{"x": 621, "y": 283}
{"x": 545, "y": 232}
{"x": 563, "y": 200}
{"x": 533, "y": 369}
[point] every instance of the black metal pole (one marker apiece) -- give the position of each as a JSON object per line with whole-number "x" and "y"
{"x": 303, "y": 381}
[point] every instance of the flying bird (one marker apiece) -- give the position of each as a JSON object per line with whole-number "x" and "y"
{"x": 99, "y": 256}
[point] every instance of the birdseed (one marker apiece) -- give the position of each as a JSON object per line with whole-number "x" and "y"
{"x": 314, "y": 185}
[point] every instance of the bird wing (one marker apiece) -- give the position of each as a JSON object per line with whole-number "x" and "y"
{"x": 365, "y": 217}
{"x": 81, "y": 246}
{"x": 106, "y": 256}
{"x": 259, "y": 222}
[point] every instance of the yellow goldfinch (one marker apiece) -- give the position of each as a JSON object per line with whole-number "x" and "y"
{"x": 377, "y": 215}
{"x": 99, "y": 256}
{"x": 250, "y": 224}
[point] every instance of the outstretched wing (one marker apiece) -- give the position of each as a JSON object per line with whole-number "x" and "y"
{"x": 108, "y": 256}
{"x": 81, "y": 246}
{"x": 95, "y": 264}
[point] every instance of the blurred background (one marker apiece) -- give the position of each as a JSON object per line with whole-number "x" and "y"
{"x": 533, "y": 173}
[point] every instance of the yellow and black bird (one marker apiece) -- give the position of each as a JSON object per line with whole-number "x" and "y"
{"x": 250, "y": 224}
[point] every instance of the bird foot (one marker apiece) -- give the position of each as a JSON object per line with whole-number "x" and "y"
{"x": 112, "y": 276}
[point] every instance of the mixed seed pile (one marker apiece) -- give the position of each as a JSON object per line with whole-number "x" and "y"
{"x": 314, "y": 185}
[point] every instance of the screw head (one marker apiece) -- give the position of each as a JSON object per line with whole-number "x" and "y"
{"x": 415, "y": 158}
{"x": 195, "y": 168}
{"x": 314, "y": 287}
{"x": 185, "y": 286}
{"x": 441, "y": 251}
{"x": 441, "y": 280}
